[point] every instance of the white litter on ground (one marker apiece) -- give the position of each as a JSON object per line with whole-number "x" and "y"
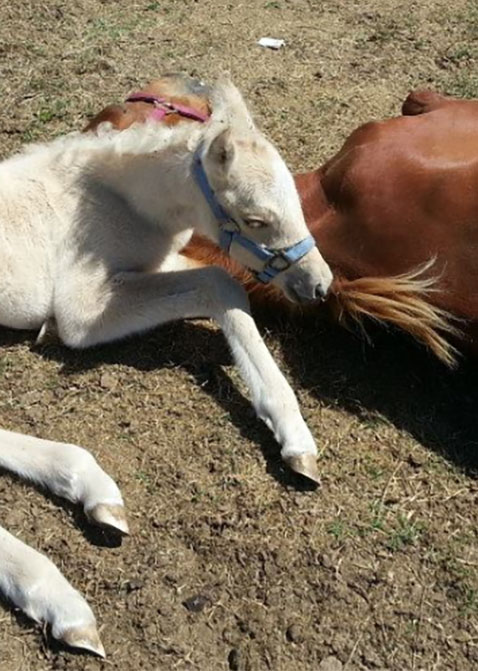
{"x": 271, "y": 42}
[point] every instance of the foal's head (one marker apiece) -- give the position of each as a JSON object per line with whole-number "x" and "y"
{"x": 257, "y": 212}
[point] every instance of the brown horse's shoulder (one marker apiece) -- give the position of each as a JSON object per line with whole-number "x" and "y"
{"x": 350, "y": 173}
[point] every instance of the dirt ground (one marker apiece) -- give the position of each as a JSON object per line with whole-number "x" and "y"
{"x": 232, "y": 564}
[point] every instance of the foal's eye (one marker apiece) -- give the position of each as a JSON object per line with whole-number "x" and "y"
{"x": 256, "y": 223}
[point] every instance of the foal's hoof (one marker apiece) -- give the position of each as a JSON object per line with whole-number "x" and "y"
{"x": 109, "y": 516}
{"x": 305, "y": 465}
{"x": 85, "y": 638}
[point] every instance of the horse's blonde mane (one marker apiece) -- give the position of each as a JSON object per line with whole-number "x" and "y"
{"x": 401, "y": 301}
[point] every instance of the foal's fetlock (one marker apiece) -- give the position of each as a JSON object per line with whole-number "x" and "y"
{"x": 110, "y": 516}
{"x": 298, "y": 451}
{"x": 99, "y": 493}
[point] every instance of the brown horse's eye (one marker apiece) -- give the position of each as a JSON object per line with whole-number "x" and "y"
{"x": 256, "y": 223}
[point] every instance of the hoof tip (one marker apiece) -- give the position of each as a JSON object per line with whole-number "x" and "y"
{"x": 305, "y": 465}
{"x": 86, "y": 638}
{"x": 109, "y": 516}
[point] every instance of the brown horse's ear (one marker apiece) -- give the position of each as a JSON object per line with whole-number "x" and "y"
{"x": 422, "y": 101}
{"x": 112, "y": 114}
{"x": 221, "y": 150}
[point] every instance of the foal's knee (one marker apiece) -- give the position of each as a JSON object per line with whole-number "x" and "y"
{"x": 226, "y": 291}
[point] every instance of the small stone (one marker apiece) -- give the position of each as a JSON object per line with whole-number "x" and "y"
{"x": 134, "y": 585}
{"x": 294, "y": 633}
{"x": 234, "y": 659}
{"x": 34, "y": 413}
{"x": 330, "y": 664}
{"x": 327, "y": 561}
{"x": 417, "y": 459}
{"x": 196, "y": 603}
{"x": 108, "y": 381}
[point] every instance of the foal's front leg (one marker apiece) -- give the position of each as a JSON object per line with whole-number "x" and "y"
{"x": 28, "y": 578}
{"x": 34, "y": 584}
{"x": 68, "y": 471}
{"x": 132, "y": 302}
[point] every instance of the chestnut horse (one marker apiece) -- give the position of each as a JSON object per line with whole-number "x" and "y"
{"x": 395, "y": 213}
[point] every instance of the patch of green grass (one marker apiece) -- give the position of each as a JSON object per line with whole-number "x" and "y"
{"x": 338, "y": 529}
{"x": 272, "y": 5}
{"x": 374, "y": 472}
{"x": 376, "y": 521}
{"x": 121, "y": 26}
{"x": 142, "y": 477}
{"x": 463, "y": 84}
{"x": 470, "y": 601}
{"x": 153, "y": 7}
{"x": 57, "y": 110}
{"x": 405, "y": 533}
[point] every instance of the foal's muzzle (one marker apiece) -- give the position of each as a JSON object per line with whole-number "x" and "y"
{"x": 299, "y": 295}
{"x": 309, "y": 281}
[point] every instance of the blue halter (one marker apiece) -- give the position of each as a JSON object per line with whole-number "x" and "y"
{"x": 275, "y": 260}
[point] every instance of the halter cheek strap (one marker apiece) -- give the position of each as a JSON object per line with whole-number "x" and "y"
{"x": 274, "y": 261}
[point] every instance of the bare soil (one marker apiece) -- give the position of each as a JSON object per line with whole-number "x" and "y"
{"x": 232, "y": 563}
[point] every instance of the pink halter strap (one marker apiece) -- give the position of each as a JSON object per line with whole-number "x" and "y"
{"x": 162, "y": 107}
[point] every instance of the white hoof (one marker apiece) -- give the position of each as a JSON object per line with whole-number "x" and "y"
{"x": 85, "y": 637}
{"x": 305, "y": 465}
{"x": 109, "y": 516}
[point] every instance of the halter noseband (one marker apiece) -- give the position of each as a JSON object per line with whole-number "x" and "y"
{"x": 162, "y": 107}
{"x": 274, "y": 261}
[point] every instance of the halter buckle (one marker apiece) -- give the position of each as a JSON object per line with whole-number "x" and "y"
{"x": 279, "y": 262}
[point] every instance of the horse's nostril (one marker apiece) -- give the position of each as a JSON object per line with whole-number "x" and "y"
{"x": 320, "y": 292}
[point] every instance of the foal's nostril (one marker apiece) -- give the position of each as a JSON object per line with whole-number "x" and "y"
{"x": 320, "y": 293}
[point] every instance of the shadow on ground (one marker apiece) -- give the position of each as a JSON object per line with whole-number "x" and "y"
{"x": 391, "y": 380}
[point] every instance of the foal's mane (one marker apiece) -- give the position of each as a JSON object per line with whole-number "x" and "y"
{"x": 149, "y": 137}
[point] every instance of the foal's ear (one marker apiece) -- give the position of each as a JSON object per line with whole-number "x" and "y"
{"x": 228, "y": 106}
{"x": 221, "y": 150}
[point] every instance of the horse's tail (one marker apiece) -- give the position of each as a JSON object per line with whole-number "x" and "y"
{"x": 401, "y": 301}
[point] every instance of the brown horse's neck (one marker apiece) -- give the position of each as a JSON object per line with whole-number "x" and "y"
{"x": 324, "y": 223}
{"x": 314, "y": 201}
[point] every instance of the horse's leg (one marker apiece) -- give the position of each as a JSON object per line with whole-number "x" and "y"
{"x": 31, "y": 582}
{"x": 132, "y": 302}
{"x": 423, "y": 101}
{"x": 68, "y": 471}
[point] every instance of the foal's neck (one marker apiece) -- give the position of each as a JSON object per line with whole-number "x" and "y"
{"x": 159, "y": 184}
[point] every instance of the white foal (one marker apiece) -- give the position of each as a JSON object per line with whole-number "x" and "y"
{"x": 91, "y": 229}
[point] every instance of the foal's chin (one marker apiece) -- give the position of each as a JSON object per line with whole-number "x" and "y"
{"x": 298, "y": 299}
{"x": 305, "y": 292}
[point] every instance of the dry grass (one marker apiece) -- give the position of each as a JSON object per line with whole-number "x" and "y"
{"x": 377, "y": 568}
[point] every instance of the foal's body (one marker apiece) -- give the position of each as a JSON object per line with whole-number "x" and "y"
{"x": 91, "y": 230}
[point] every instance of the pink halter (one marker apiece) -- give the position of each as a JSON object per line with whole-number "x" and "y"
{"x": 162, "y": 107}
